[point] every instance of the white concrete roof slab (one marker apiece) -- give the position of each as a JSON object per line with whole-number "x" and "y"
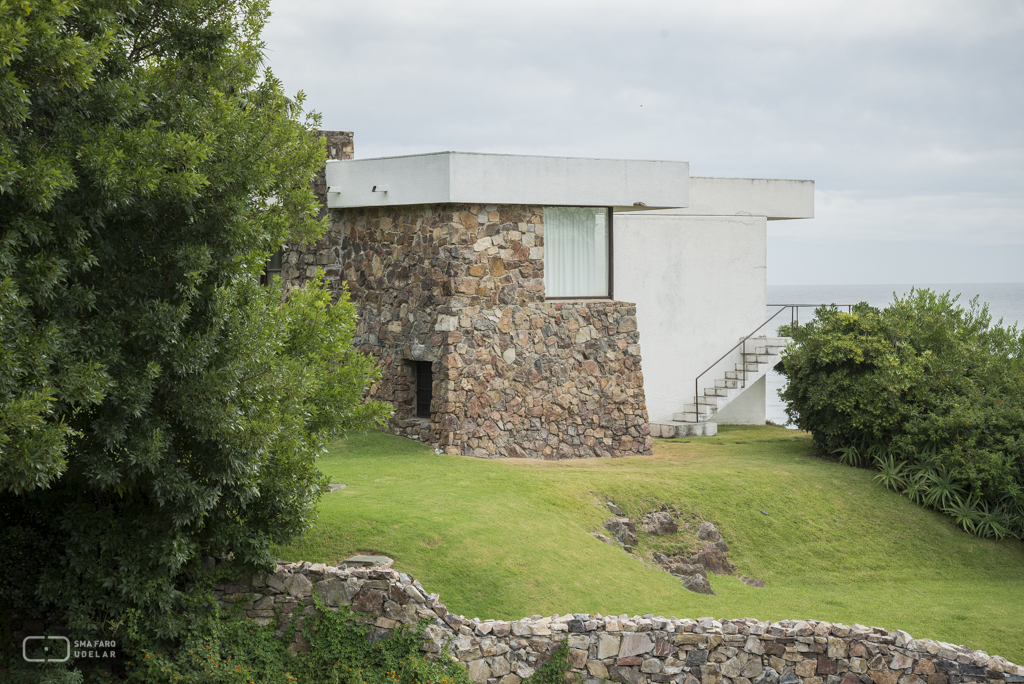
{"x": 466, "y": 177}
{"x": 775, "y": 199}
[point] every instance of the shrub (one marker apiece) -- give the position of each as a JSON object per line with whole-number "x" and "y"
{"x": 929, "y": 392}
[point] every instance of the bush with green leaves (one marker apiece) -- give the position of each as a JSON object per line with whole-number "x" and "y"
{"x": 157, "y": 404}
{"x": 928, "y": 392}
{"x": 219, "y": 647}
{"x": 226, "y": 649}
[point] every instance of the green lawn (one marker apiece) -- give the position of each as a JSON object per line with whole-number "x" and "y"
{"x": 511, "y": 538}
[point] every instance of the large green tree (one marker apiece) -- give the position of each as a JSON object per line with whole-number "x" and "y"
{"x": 156, "y": 403}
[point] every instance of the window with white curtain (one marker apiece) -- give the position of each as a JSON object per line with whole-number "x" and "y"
{"x": 576, "y": 252}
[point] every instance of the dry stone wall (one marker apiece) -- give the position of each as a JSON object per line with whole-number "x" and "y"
{"x": 629, "y": 650}
{"x": 461, "y": 287}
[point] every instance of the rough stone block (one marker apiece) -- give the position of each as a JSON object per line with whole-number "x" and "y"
{"x": 635, "y": 644}
{"x": 607, "y": 646}
{"x": 479, "y": 671}
{"x": 368, "y": 601}
{"x": 499, "y": 666}
{"x": 826, "y": 666}
{"x": 884, "y": 676}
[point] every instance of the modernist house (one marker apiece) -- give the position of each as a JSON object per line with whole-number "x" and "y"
{"x": 507, "y": 298}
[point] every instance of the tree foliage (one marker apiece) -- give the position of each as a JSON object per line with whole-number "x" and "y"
{"x": 156, "y": 403}
{"x": 928, "y": 392}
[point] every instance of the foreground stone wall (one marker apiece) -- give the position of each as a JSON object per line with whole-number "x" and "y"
{"x": 461, "y": 286}
{"x": 633, "y": 650}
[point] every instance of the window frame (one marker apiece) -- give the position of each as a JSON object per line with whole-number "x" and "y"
{"x": 611, "y": 261}
{"x": 268, "y": 272}
{"x": 418, "y": 368}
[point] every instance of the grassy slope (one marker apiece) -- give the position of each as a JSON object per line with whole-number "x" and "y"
{"x": 510, "y": 538}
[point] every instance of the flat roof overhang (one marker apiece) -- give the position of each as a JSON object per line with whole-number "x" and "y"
{"x": 473, "y": 178}
{"x": 776, "y": 199}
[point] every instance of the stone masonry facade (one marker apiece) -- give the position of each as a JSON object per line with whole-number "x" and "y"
{"x": 299, "y": 262}
{"x": 462, "y": 287}
{"x": 630, "y": 650}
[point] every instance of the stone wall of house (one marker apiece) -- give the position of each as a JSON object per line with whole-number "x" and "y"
{"x": 633, "y": 650}
{"x": 395, "y": 266}
{"x": 299, "y": 262}
{"x": 462, "y": 286}
{"x": 543, "y": 380}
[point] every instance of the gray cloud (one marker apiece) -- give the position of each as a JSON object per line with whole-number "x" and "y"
{"x": 908, "y": 115}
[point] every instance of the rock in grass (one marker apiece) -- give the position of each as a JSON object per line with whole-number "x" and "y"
{"x": 714, "y": 560}
{"x": 683, "y": 569}
{"x": 614, "y": 509}
{"x": 708, "y": 532}
{"x": 623, "y": 529}
{"x": 660, "y": 523}
{"x": 697, "y": 583}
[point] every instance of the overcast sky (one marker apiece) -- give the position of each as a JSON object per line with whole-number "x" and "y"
{"x": 909, "y": 115}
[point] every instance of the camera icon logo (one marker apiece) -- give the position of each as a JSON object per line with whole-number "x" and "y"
{"x": 49, "y": 657}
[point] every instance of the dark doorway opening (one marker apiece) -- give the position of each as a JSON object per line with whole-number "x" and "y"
{"x": 424, "y": 388}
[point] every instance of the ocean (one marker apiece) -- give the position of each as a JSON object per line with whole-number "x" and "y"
{"x": 1005, "y": 300}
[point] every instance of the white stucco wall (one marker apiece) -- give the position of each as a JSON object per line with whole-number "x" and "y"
{"x": 748, "y": 408}
{"x": 698, "y": 277}
{"x": 699, "y": 286}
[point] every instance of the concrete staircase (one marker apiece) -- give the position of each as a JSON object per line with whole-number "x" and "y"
{"x": 755, "y": 357}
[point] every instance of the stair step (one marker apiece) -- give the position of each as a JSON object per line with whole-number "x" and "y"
{"x": 691, "y": 417}
{"x": 773, "y": 341}
{"x": 696, "y": 419}
{"x": 675, "y": 430}
{"x": 687, "y": 413}
{"x": 770, "y": 350}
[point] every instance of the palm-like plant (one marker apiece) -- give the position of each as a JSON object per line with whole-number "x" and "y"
{"x": 918, "y": 483}
{"x": 943, "y": 490}
{"x": 848, "y": 455}
{"x": 992, "y": 521}
{"x": 964, "y": 512}
{"x": 891, "y": 474}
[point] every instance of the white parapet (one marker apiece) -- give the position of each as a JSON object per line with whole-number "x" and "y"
{"x": 773, "y": 198}
{"x": 464, "y": 177}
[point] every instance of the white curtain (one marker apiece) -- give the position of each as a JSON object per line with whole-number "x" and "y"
{"x": 575, "y": 252}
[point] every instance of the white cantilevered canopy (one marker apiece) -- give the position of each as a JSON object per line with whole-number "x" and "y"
{"x": 466, "y": 177}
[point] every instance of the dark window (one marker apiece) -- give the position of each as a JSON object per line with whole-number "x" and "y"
{"x": 424, "y": 388}
{"x": 273, "y": 267}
